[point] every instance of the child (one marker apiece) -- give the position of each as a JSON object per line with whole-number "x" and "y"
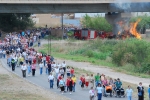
{"x": 149, "y": 92}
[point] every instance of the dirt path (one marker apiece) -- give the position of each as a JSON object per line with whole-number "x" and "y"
{"x": 102, "y": 69}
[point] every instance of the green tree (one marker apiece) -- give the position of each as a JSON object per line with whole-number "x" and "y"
{"x": 10, "y": 22}
{"x": 97, "y": 22}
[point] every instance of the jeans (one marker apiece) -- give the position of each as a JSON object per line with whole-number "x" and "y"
{"x": 99, "y": 96}
{"x": 51, "y": 83}
{"x": 149, "y": 96}
{"x": 38, "y": 44}
{"x": 41, "y": 70}
{"x": 73, "y": 88}
{"x": 129, "y": 97}
{"x": 44, "y": 62}
{"x": 4, "y": 55}
{"x": 47, "y": 71}
{"x": 29, "y": 70}
{"x": 1, "y": 55}
{"x": 96, "y": 83}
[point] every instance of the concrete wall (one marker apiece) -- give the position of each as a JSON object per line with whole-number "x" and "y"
{"x": 46, "y": 19}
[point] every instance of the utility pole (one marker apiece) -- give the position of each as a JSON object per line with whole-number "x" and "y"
{"x": 62, "y": 25}
{"x": 48, "y": 43}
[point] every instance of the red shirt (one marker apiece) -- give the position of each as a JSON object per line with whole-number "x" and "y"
{"x": 47, "y": 58}
{"x": 82, "y": 79}
{"x": 68, "y": 82}
{"x": 72, "y": 71}
{"x": 34, "y": 60}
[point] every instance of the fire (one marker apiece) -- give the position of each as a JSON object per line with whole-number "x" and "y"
{"x": 133, "y": 30}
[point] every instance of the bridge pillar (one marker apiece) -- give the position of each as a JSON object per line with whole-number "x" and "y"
{"x": 114, "y": 18}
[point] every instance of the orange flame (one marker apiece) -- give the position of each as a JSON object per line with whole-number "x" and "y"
{"x": 133, "y": 30}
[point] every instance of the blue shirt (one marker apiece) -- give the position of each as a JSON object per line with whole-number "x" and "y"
{"x": 149, "y": 90}
{"x": 129, "y": 92}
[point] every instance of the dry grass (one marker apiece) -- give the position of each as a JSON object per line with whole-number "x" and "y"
{"x": 13, "y": 87}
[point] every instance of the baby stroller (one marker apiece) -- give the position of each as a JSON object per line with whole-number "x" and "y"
{"x": 120, "y": 92}
{"x": 108, "y": 90}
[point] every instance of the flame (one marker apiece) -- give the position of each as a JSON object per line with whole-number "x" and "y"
{"x": 133, "y": 30}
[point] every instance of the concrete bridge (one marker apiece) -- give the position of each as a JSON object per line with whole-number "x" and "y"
{"x": 73, "y": 6}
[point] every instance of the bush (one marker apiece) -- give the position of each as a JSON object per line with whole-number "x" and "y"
{"x": 132, "y": 51}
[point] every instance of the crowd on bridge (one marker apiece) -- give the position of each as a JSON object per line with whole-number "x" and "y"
{"x": 18, "y": 49}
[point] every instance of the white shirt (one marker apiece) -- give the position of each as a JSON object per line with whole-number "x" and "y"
{"x": 129, "y": 92}
{"x": 56, "y": 70}
{"x": 23, "y": 67}
{"x": 41, "y": 65}
{"x": 50, "y": 77}
{"x": 99, "y": 89}
{"x": 58, "y": 65}
{"x": 63, "y": 64}
{"x": 91, "y": 92}
{"x": 68, "y": 70}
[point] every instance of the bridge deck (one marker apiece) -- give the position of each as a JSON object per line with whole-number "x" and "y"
{"x": 69, "y": 1}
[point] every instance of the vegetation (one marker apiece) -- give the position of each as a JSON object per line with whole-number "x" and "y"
{"x": 130, "y": 56}
{"x": 13, "y": 22}
{"x": 97, "y": 22}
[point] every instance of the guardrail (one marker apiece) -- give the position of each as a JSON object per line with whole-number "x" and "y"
{"x": 72, "y": 1}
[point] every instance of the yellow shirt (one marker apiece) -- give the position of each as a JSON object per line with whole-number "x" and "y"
{"x": 74, "y": 79}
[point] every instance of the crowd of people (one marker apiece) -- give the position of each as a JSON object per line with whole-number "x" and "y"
{"x": 17, "y": 48}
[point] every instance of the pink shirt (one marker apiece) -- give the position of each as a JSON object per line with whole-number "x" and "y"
{"x": 33, "y": 66}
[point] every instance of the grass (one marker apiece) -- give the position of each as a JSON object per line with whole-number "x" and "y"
{"x": 62, "y": 51}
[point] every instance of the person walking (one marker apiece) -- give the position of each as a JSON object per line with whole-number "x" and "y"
{"x": 13, "y": 64}
{"x": 64, "y": 66}
{"x": 41, "y": 68}
{"x": 129, "y": 92}
{"x": 33, "y": 69}
{"x": 62, "y": 85}
{"x": 49, "y": 67}
{"x": 29, "y": 69}
{"x": 97, "y": 79}
{"x": 99, "y": 89}
{"x": 149, "y": 92}
{"x": 87, "y": 79}
{"x": 82, "y": 79}
{"x": 61, "y": 70}
{"x": 56, "y": 72}
{"x": 92, "y": 93}
{"x": 92, "y": 80}
{"x": 74, "y": 82}
{"x": 23, "y": 68}
{"x": 140, "y": 89}
{"x": 68, "y": 71}
{"x": 69, "y": 84}
{"x": 51, "y": 80}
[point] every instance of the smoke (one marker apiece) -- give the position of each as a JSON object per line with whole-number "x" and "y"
{"x": 129, "y": 6}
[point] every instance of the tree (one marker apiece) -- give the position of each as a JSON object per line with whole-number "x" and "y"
{"x": 10, "y": 22}
{"x": 143, "y": 24}
{"x": 97, "y": 22}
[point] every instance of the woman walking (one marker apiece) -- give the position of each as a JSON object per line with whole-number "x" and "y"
{"x": 41, "y": 68}
{"x": 82, "y": 79}
{"x": 68, "y": 71}
{"x": 24, "y": 68}
{"x": 99, "y": 91}
{"x": 70, "y": 84}
{"x": 140, "y": 89}
{"x": 129, "y": 92}
{"x": 33, "y": 69}
{"x": 62, "y": 85}
{"x": 87, "y": 79}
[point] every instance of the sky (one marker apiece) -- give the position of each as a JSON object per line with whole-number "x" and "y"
{"x": 77, "y": 15}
